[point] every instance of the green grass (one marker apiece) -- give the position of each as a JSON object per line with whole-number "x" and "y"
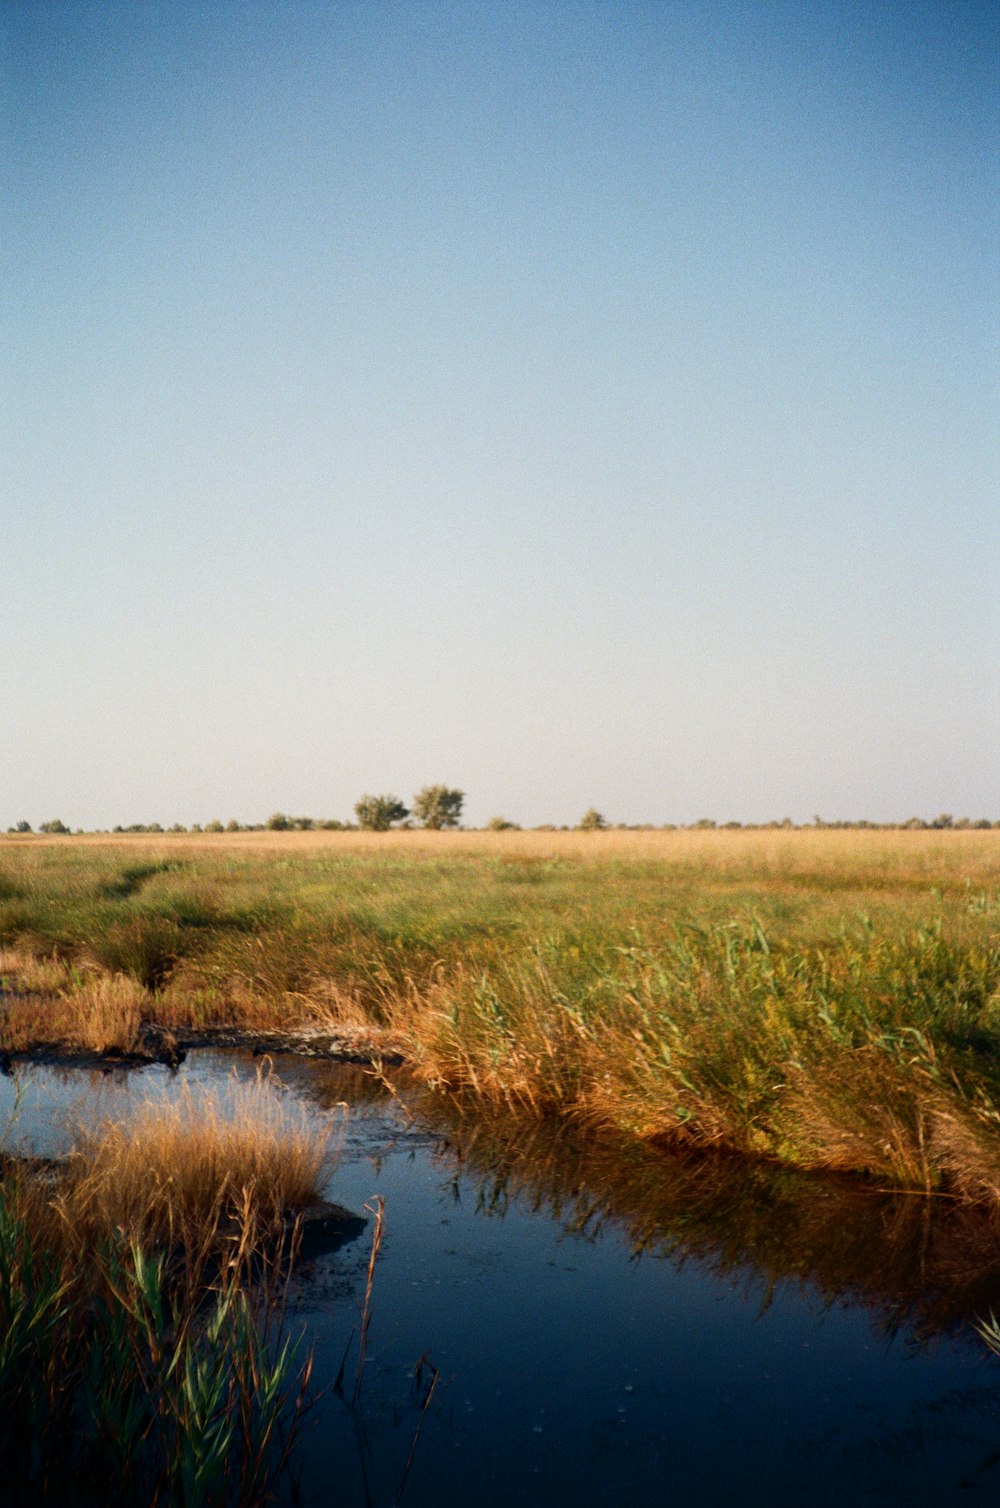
{"x": 831, "y": 1000}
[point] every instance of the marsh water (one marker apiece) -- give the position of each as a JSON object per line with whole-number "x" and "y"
{"x": 606, "y": 1326}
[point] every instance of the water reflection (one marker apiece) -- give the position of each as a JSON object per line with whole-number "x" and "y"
{"x": 614, "y": 1325}
{"x": 921, "y": 1266}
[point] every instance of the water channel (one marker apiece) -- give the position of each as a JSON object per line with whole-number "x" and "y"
{"x": 609, "y": 1327}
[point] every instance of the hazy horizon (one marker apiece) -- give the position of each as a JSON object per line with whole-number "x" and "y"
{"x": 577, "y": 405}
{"x": 954, "y": 821}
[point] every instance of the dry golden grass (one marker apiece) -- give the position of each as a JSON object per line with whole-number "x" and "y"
{"x": 48, "y": 1001}
{"x": 177, "y": 1170}
{"x": 861, "y": 1111}
{"x": 109, "y": 1009}
{"x": 972, "y": 852}
{"x": 26, "y": 974}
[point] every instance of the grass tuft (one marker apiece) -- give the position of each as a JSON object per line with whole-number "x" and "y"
{"x": 177, "y": 1168}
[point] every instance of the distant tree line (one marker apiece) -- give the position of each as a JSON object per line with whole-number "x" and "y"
{"x": 438, "y": 808}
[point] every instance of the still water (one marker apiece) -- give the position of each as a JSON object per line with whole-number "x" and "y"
{"x": 608, "y": 1328}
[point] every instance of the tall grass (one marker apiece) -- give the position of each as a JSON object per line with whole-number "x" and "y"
{"x": 829, "y": 999}
{"x": 200, "y": 1162}
{"x": 141, "y": 1353}
{"x": 869, "y": 1055}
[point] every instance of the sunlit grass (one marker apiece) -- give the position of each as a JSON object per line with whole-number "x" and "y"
{"x": 829, "y": 999}
{"x": 177, "y": 1168}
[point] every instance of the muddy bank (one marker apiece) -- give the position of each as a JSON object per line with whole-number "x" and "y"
{"x": 168, "y": 1047}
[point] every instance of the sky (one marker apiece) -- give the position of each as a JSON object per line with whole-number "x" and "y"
{"x": 580, "y": 404}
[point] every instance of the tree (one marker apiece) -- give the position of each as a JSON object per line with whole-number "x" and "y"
{"x": 501, "y": 825}
{"x": 592, "y": 822}
{"x": 376, "y": 814}
{"x": 20, "y": 827}
{"x": 278, "y": 823}
{"x": 55, "y": 826}
{"x": 436, "y": 807}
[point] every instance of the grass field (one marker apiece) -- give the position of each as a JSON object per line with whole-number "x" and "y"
{"x": 830, "y": 999}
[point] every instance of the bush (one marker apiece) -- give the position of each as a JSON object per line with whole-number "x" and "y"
{"x": 501, "y": 825}
{"x": 592, "y": 821}
{"x": 55, "y": 826}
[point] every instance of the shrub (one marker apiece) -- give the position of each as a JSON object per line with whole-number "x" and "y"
{"x": 592, "y": 821}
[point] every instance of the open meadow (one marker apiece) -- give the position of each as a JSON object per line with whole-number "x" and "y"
{"x": 829, "y": 999}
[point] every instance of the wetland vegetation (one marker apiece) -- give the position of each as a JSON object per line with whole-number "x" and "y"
{"x": 829, "y": 1000}
{"x": 143, "y": 1357}
{"x": 659, "y": 1034}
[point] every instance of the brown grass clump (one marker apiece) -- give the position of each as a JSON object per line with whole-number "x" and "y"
{"x": 857, "y": 1111}
{"x": 22, "y": 973}
{"x": 176, "y": 1171}
{"x": 108, "y": 1009}
{"x": 46, "y": 1000}
{"x": 863, "y": 1110}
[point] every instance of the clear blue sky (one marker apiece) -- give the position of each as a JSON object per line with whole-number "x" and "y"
{"x": 575, "y": 403}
